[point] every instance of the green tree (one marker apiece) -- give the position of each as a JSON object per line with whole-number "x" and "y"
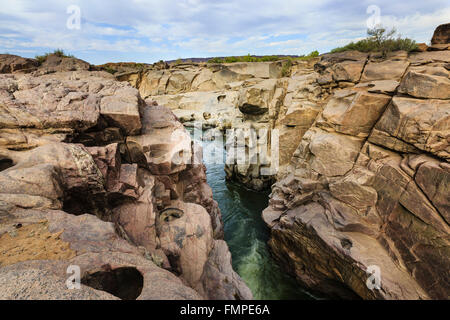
{"x": 382, "y": 38}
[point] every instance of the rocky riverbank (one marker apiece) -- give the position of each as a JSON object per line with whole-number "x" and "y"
{"x": 88, "y": 183}
{"x": 368, "y": 186}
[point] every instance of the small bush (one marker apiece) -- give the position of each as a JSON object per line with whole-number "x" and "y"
{"x": 380, "y": 40}
{"x": 311, "y": 55}
{"x": 215, "y": 60}
{"x": 286, "y": 69}
{"x": 41, "y": 59}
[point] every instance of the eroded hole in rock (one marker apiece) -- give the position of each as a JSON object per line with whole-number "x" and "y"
{"x": 252, "y": 109}
{"x": 125, "y": 283}
{"x": 5, "y": 163}
{"x": 174, "y": 261}
{"x": 79, "y": 202}
{"x": 346, "y": 243}
{"x": 170, "y": 214}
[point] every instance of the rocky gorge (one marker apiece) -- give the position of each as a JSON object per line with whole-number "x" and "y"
{"x": 357, "y": 151}
{"x": 363, "y": 173}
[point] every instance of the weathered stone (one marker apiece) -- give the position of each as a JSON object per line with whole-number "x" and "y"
{"x": 255, "y": 100}
{"x": 223, "y": 283}
{"x": 353, "y": 112}
{"x": 422, "y": 85}
{"x": 122, "y": 110}
{"x": 348, "y": 70}
{"x": 441, "y": 34}
{"x": 434, "y": 180}
{"x": 333, "y": 154}
{"x": 423, "y": 124}
{"x": 386, "y": 70}
{"x": 10, "y": 63}
{"x": 379, "y": 86}
{"x": 264, "y": 70}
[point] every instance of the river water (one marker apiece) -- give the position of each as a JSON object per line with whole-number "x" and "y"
{"x": 247, "y": 235}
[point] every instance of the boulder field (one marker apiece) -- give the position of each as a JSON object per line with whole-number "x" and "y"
{"x": 88, "y": 182}
{"x": 364, "y": 148}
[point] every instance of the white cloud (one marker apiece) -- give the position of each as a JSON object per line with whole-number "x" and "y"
{"x": 155, "y": 29}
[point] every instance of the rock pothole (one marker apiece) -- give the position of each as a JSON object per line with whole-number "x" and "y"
{"x": 5, "y": 163}
{"x": 125, "y": 282}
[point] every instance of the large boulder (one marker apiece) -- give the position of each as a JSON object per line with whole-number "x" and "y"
{"x": 384, "y": 70}
{"x": 426, "y": 82}
{"x": 122, "y": 110}
{"x": 441, "y": 35}
{"x": 256, "y": 99}
{"x": 63, "y": 240}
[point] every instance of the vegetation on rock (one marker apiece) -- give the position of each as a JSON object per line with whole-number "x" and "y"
{"x": 57, "y": 52}
{"x": 380, "y": 40}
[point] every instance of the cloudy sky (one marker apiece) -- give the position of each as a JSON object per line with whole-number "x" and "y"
{"x": 150, "y": 30}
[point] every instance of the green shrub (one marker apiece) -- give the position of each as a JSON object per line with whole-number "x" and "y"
{"x": 41, "y": 59}
{"x": 109, "y": 69}
{"x": 379, "y": 40}
{"x": 286, "y": 69}
{"x": 311, "y": 55}
{"x": 231, "y": 59}
{"x": 215, "y": 60}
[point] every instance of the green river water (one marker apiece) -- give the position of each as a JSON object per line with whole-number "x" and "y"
{"x": 247, "y": 236}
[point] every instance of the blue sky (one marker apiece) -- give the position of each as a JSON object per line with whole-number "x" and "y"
{"x": 150, "y": 30}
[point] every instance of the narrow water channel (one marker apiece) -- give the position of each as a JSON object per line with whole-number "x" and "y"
{"x": 247, "y": 236}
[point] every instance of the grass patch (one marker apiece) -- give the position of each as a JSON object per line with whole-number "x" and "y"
{"x": 58, "y": 52}
{"x": 380, "y": 40}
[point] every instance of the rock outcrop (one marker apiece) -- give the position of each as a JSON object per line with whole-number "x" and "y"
{"x": 441, "y": 35}
{"x": 12, "y": 64}
{"x": 94, "y": 177}
{"x": 367, "y": 186}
